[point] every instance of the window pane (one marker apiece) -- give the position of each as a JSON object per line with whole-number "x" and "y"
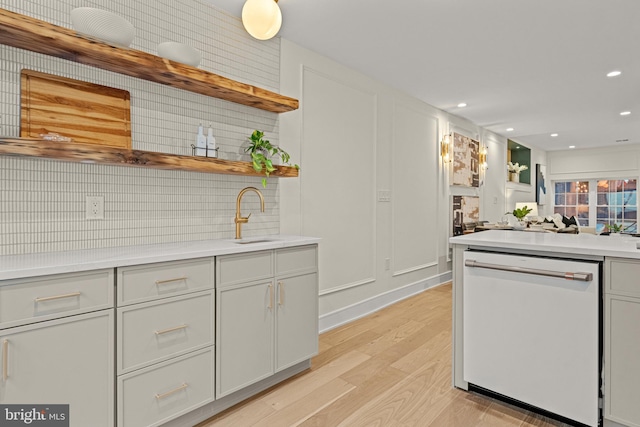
{"x": 602, "y": 199}
{"x": 570, "y": 211}
{"x": 583, "y": 199}
{"x": 560, "y": 199}
{"x": 603, "y": 186}
{"x": 558, "y": 210}
{"x": 630, "y": 184}
{"x": 559, "y": 187}
{"x": 583, "y": 214}
{"x": 570, "y": 199}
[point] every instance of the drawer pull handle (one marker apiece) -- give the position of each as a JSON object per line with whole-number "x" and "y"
{"x": 177, "y": 279}
{"x": 5, "y": 360}
{"x": 175, "y": 328}
{"x": 281, "y": 293}
{"x": 270, "y": 296}
{"x": 71, "y": 295}
{"x": 175, "y": 390}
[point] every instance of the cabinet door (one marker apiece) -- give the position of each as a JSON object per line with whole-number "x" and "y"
{"x": 65, "y": 361}
{"x": 622, "y": 373}
{"x": 297, "y": 320}
{"x": 244, "y": 335}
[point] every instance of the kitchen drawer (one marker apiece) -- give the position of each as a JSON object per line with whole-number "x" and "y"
{"x": 155, "y": 331}
{"x": 297, "y": 260}
{"x": 154, "y": 395}
{"x": 148, "y": 282}
{"x": 242, "y": 268}
{"x": 622, "y": 276}
{"x": 36, "y": 299}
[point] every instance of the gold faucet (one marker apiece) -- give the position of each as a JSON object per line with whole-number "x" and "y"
{"x": 239, "y": 218}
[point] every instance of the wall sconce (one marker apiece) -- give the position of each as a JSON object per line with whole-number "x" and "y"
{"x": 262, "y": 18}
{"x": 445, "y": 148}
{"x": 482, "y": 158}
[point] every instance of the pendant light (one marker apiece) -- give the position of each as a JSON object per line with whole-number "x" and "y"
{"x": 262, "y": 18}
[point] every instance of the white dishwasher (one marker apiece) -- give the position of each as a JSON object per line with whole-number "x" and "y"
{"x": 532, "y": 331}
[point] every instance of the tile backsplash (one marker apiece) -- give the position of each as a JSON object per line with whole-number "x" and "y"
{"x": 42, "y": 202}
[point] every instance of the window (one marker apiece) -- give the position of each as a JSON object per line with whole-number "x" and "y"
{"x": 597, "y": 203}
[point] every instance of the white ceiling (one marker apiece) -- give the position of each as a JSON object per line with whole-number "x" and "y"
{"x": 538, "y": 66}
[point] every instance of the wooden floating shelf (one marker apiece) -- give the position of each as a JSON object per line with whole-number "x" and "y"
{"x": 32, "y": 34}
{"x": 90, "y": 153}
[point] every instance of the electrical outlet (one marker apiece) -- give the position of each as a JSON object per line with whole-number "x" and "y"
{"x": 95, "y": 207}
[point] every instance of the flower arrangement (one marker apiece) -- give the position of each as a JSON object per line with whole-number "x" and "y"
{"x": 516, "y": 168}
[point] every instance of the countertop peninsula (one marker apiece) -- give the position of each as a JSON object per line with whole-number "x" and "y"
{"x": 42, "y": 264}
{"x": 623, "y": 246}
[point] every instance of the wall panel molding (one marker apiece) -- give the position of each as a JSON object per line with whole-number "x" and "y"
{"x": 339, "y": 140}
{"x": 415, "y": 193}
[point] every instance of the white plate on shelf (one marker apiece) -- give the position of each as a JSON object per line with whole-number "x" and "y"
{"x": 180, "y": 52}
{"x": 103, "y": 25}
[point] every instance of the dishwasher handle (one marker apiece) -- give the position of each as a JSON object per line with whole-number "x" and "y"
{"x": 582, "y": 277}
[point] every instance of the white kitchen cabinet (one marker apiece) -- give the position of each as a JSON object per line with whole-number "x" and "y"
{"x": 268, "y": 322}
{"x": 150, "y": 282}
{"x": 297, "y": 305}
{"x": 37, "y": 299}
{"x": 244, "y": 335}
{"x": 159, "y": 330}
{"x": 622, "y": 341}
{"x": 158, "y": 393}
{"x": 165, "y": 346}
{"x": 62, "y": 361}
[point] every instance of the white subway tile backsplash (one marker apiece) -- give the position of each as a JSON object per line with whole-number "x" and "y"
{"x": 42, "y": 202}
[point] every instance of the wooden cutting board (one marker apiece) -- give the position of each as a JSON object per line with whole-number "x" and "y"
{"x": 87, "y": 112}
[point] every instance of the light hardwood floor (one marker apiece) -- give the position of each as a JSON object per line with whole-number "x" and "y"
{"x": 391, "y": 368}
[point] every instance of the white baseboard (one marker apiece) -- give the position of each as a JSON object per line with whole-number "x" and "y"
{"x": 348, "y": 314}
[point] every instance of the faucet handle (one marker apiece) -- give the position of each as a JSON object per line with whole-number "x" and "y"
{"x": 248, "y": 216}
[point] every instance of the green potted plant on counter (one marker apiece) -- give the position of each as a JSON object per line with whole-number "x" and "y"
{"x": 520, "y": 214}
{"x": 614, "y": 229}
{"x": 262, "y": 151}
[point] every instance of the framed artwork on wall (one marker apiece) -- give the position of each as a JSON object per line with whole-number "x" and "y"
{"x": 541, "y": 183}
{"x": 464, "y": 209}
{"x": 465, "y": 168}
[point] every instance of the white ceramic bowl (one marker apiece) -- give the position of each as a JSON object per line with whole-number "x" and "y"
{"x": 180, "y": 53}
{"x": 103, "y": 25}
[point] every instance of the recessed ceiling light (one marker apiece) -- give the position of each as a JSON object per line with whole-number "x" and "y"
{"x": 462, "y": 105}
{"x": 572, "y": 146}
{"x": 625, "y": 113}
{"x": 614, "y": 73}
{"x": 509, "y": 129}
{"x": 553, "y": 135}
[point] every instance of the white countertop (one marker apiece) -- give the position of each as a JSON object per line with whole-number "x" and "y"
{"x": 623, "y": 246}
{"x": 41, "y": 264}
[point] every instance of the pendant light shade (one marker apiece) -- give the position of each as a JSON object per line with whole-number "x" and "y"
{"x": 261, "y": 18}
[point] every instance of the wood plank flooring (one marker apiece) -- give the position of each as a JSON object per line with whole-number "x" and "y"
{"x": 391, "y": 368}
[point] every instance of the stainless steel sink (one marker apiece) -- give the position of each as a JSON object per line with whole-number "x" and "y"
{"x": 254, "y": 240}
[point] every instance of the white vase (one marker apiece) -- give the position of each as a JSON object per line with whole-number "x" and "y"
{"x": 515, "y": 176}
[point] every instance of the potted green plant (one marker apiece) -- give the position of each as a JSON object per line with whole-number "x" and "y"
{"x": 262, "y": 151}
{"x": 614, "y": 228}
{"x": 521, "y": 213}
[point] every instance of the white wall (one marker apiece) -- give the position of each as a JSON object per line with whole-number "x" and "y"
{"x": 359, "y": 141}
{"x": 609, "y": 163}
